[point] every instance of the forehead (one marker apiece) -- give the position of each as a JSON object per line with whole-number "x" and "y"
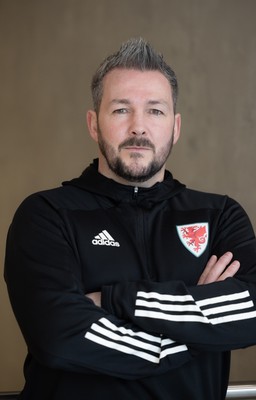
{"x": 131, "y": 83}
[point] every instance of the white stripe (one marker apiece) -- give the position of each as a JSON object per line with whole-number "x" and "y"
{"x": 235, "y": 317}
{"x": 193, "y": 318}
{"x": 168, "y": 307}
{"x": 166, "y": 342}
{"x": 109, "y": 237}
{"x": 173, "y": 350}
{"x": 165, "y": 297}
{"x": 126, "y": 339}
{"x": 125, "y": 331}
{"x": 171, "y": 317}
{"x": 102, "y": 236}
{"x": 122, "y": 348}
{"x": 223, "y": 298}
{"x": 229, "y": 307}
{"x": 193, "y": 308}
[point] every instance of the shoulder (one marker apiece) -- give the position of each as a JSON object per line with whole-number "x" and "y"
{"x": 47, "y": 205}
{"x": 224, "y": 205}
{"x": 63, "y": 197}
{"x": 199, "y": 199}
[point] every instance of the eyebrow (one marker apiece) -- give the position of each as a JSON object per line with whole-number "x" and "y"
{"x": 120, "y": 101}
{"x": 156, "y": 102}
{"x": 149, "y": 102}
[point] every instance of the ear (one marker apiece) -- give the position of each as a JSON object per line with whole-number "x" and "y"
{"x": 92, "y": 123}
{"x": 177, "y": 126}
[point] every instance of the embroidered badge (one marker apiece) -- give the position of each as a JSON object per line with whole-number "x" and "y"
{"x": 194, "y": 237}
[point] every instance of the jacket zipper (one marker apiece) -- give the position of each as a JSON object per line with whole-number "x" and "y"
{"x": 141, "y": 235}
{"x": 135, "y": 192}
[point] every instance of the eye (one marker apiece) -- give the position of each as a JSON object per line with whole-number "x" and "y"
{"x": 120, "y": 111}
{"x": 155, "y": 111}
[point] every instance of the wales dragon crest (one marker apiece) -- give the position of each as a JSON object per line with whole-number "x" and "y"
{"x": 194, "y": 237}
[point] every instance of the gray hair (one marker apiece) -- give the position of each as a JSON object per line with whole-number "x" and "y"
{"x": 134, "y": 54}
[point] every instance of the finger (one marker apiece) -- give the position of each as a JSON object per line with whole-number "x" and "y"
{"x": 218, "y": 268}
{"x": 212, "y": 261}
{"x": 95, "y": 297}
{"x": 230, "y": 271}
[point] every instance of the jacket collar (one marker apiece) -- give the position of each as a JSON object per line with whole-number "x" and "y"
{"x": 91, "y": 180}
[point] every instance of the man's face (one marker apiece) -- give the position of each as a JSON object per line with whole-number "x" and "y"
{"x": 136, "y": 126}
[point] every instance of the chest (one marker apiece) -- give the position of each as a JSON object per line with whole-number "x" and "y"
{"x": 132, "y": 243}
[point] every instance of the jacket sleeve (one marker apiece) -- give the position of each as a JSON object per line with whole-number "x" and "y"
{"x": 62, "y": 328}
{"x": 218, "y": 316}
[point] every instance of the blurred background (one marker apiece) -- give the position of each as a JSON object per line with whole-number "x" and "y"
{"x": 48, "y": 52}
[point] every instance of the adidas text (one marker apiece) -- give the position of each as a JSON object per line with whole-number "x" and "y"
{"x": 103, "y": 242}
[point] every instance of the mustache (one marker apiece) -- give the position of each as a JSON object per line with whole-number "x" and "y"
{"x": 136, "y": 142}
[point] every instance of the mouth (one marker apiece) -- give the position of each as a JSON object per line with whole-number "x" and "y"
{"x": 138, "y": 145}
{"x": 137, "y": 148}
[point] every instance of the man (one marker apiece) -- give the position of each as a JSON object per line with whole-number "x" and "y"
{"x": 109, "y": 276}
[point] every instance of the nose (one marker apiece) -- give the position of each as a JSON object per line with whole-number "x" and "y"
{"x": 137, "y": 126}
{"x": 138, "y": 132}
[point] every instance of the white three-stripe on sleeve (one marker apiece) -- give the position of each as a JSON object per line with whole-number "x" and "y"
{"x": 214, "y": 310}
{"x": 137, "y": 343}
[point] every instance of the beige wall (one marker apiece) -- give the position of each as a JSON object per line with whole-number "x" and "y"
{"x": 48, "y": 51}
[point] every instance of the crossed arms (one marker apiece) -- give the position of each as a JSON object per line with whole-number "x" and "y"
{"x": 216, "y": 270}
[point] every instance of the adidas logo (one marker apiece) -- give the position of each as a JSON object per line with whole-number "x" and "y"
{"x": 104, "y": 239}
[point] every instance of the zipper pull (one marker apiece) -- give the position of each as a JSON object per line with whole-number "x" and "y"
{"x": 135, "y": 192}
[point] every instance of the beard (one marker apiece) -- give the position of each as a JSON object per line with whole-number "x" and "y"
{"x": 134, "y": 172}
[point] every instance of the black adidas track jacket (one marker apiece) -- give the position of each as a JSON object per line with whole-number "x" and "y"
{"x": 158, "y": 336}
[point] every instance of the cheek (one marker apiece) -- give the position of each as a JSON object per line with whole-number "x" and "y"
{"x": 163, "y": 133}
{"x": 112, "y": 131}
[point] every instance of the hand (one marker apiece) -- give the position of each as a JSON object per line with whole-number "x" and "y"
{"x": 95, "y": 297}
{"x": 219, "y": 269}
